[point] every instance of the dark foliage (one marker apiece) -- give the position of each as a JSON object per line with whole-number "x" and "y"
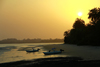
{"x": 88, "y": 34}
{"x": 79, "y": 23}
{"x": 14, "y": 40}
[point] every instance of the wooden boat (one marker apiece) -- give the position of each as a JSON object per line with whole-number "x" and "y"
{"x": 32, "y": 50}
{"x": 53, "y": 52}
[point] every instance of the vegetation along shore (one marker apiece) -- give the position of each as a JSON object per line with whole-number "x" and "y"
{"x": 85, "y": 34}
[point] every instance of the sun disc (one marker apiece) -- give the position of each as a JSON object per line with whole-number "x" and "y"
{"x": 80, "y": 14}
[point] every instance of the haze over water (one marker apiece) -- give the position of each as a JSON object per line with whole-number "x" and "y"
{"x": 17, "y": 52}
{"x": 41, "y": 18}
{"x": 45, "y": 19}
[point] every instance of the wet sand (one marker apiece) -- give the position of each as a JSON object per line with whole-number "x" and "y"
{"x": 54, "y": 62}
{"x": 86, "y": 52}
{"x": 70, "y": 61}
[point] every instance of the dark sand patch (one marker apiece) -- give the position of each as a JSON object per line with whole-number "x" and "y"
{"x": 54, "y": 62}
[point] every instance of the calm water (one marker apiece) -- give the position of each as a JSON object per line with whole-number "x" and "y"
{"x": 16, "y": 52}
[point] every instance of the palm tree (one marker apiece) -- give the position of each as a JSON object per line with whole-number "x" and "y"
{"x": 94, "y": 15}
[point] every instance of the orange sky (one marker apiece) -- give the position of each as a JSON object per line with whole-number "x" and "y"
{"x": 41, "y": 18}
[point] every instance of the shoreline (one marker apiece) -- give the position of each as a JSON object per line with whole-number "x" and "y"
{"x": 86, "y": 52}
{"x": 74, "y": 60}
{"x": 58, "y": 61}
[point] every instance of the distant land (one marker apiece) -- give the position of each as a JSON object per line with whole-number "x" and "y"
{"x": 14, "y": 40}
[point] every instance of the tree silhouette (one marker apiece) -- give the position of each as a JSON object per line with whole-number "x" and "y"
{"x": 79, "y": 23}
{"x": 88, "y": 34}
{"x": 66, "y": 33}
{"x": 94, "y": 15}
{"x": 75, "y": 34}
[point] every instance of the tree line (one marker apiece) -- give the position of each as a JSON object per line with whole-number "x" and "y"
{"x": 85, "y": 34}
{"x": 38, "y": 40}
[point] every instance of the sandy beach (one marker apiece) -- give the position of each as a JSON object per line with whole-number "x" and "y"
{"x": 86, "y": 52}
{"x": 74, "y": 57}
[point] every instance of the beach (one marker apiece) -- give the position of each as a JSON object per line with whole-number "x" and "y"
{"x": 70, "y": 57}
{"x": 54, "y": 62}
{"x": 86, "y": 52}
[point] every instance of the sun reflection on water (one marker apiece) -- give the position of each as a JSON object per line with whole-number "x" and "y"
{"x": 17, "y": 55}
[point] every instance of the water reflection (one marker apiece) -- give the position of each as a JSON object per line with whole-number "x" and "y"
{"x": 21, "y": 54}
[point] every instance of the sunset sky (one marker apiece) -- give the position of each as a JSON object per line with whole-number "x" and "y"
{"x": 41, "y": 18}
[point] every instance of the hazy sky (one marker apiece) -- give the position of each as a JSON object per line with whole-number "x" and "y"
{"x": 41, "y": 18}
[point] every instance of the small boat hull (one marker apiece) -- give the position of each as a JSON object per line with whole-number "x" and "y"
{"x": 32, "y": 50}
{"x": 55, "y": 52}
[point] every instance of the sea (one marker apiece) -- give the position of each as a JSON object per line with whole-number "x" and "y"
{"x": 17, "y": 52}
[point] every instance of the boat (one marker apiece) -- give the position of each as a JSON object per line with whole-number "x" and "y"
{"x": 32, "y": 50}
{"x": 53, "y": 52}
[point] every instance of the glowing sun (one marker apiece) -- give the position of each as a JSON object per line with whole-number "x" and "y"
{"x": 79, "y": 13}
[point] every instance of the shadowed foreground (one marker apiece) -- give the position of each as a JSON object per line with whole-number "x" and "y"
{"x": 59, "y": 61}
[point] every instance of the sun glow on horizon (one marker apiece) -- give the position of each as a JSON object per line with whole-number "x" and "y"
{"x": 55, "y": 17}
{"x": 79, "y": 13}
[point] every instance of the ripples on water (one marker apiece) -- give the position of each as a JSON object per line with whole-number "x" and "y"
{"x": 17, "y": 52}
{"x": 10, "y": 53}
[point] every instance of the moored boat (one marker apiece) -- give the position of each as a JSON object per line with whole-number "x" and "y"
{"x": 32, "y": 50}
{"x": 53, "y": 52}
